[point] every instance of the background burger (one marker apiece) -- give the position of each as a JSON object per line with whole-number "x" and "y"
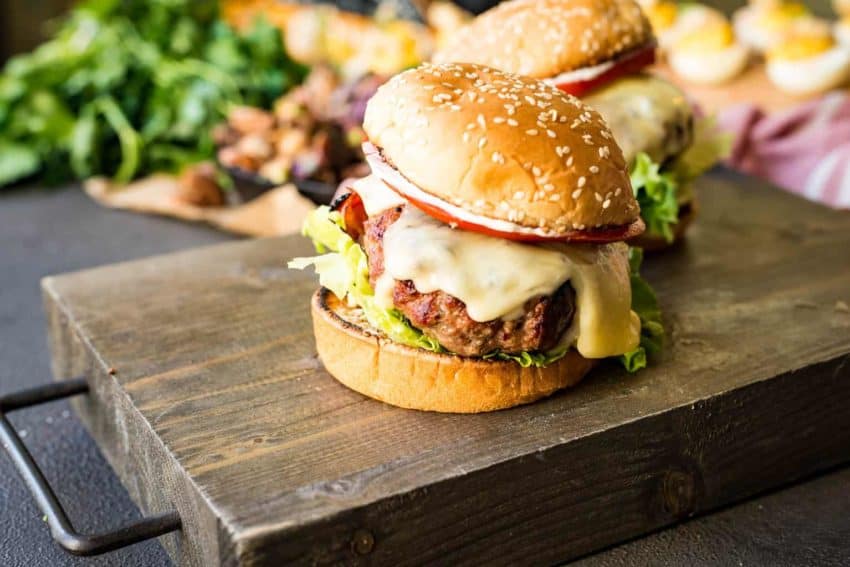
{"x": 481, "y": 264}
{"x": 598, "y": 50}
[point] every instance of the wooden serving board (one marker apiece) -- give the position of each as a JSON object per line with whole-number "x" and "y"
{"x": 208, "y": 398}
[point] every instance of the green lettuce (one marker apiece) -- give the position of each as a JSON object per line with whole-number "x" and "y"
{"x": 343, "y": 268}
{"x": 656, "y": 194}
{"x": 660, "y": 190}
{"x": 645, "y": 304}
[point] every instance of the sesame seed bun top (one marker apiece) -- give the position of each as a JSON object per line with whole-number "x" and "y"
{"x": 544, "y": 38}
{"x": 502, "y": 146}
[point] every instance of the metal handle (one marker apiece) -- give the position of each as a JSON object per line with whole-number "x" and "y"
{"x": 60, "y": 526}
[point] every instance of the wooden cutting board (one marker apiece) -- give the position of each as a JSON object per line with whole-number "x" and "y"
{"x": 208, "y": 398}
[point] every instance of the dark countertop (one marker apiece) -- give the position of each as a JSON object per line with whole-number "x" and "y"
{"x": 47, "y": 232}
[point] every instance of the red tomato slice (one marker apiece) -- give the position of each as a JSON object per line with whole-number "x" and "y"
{"x": 594, "y": 236}
{"x": 627, "y": 65}
{"x": 350, "y": 205}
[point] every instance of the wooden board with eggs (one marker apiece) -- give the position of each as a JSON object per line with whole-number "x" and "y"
{"x": 772, "y": 53}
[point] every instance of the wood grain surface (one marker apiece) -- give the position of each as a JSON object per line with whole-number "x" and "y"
{"x": 208, "y": 397}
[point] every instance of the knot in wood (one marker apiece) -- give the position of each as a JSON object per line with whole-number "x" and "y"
{"x": 363, "y": 542}
{"x": 679, "y": 493}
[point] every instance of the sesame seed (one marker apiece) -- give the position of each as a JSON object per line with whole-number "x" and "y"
{"x": 512, "y": 122}
{"x": 466, "y": 137}
{"x": 570, "y": 161}
{"x": 481, "y": 121}
{"x": 548, "y": 187}
{"x": 497, "y": 158}
{"x": 598, "y": 196}
{"x": 618, "y": 191}
{"x": 531, "y": 132}
{"x": 536, "y": 171}
{"x": 519, "y": 195}
{"x": 582, "y": 181}
{"x": 498, "y": 120}
{"x": 429, "y": 87}
{"x": 594, "y": 169}
{"x": 606, "y": 203}
{"x": 551, "y": 133}
{"x": 604, "y": 152}
{"x": 470, "y": 126}
{"x": 555, "y": 197}
{"x": 482, "y": 142}
{"x": 455, "y": 107}
{"x": 576, "y": 193}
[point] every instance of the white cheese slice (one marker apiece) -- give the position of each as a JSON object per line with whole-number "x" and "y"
{"x": 494, "y": 277}
{"x": 375, "y": 194}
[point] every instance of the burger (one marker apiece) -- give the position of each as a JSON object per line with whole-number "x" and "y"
{"x": 599, "y": 50}
{"x": 481, "y": 264}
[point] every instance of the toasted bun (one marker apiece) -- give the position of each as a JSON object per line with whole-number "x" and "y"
{"x": 413, "y": 378}
{"x": 655, "y": 243}
{"x": 544, "y": 38}
{"x": 502, "y": 146}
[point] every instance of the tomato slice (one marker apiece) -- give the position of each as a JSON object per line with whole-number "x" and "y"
{"x": 350, "y": 206}
{"x": 592, "y": 236}
{"x": 630, "y": 63}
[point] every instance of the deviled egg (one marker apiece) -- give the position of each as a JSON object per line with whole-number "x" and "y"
{"x": 808, "y": 64}
{"x": 762, "y": 23}
{"x": 709, "y": 55}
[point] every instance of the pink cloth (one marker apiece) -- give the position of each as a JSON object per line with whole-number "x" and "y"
{"x": 805, "y": 150}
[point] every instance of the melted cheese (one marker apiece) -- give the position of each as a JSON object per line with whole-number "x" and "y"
{"x": 645, "y": 114}
{"x": 494, "y": 277}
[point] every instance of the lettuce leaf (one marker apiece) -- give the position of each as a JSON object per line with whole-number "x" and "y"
{"x": 531, "y": 358}
{"x": 656, "y": 194}
{"x": 345, "y": 271}
{"x": 645, "y": 304}
{"x": 660, "y": 190}
{"x": 711, "y": 145}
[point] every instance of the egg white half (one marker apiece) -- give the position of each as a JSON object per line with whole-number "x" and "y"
{"x": 710, "y": 67}
{"x": 812, "y": 75}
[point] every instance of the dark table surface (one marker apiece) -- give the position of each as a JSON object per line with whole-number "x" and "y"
{"x": 47, "y": 232}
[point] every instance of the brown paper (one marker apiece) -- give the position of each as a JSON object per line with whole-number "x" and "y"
{"x": 279, "y": 211}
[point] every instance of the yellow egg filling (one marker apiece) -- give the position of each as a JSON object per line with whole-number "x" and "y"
{"x": 796, "y": 48}
{"x": 714, "y": 37}
{"x": 662, "y": 15}
{"x": 780, "y": 16}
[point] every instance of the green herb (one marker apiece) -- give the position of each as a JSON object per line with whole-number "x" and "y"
{"x": 125, "y": 88}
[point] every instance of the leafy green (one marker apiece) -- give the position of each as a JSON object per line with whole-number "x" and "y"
{"x": 527, "y": 358}
{"x": 128, "y": 87}
{"x": 660, "y": 190}
{"x": 710, "y": 146}
{"x": 656, "y": 194}
{"x": 343, "y": 269}
{"x": 645, "y": 304}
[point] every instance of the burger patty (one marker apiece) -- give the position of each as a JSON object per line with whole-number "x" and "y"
{"x": 445, "y": 319}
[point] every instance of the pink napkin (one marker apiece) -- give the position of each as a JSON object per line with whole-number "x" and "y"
{"x": 805, "y": 150}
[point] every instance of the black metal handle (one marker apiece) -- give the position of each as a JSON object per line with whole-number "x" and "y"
{"x": 60, "y": 526}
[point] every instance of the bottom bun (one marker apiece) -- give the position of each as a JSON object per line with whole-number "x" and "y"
{"x": 687, "y": 213}
{"x": 369, "y": 363}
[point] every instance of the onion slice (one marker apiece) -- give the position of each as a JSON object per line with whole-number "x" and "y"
{"x": 461, "y": 218}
